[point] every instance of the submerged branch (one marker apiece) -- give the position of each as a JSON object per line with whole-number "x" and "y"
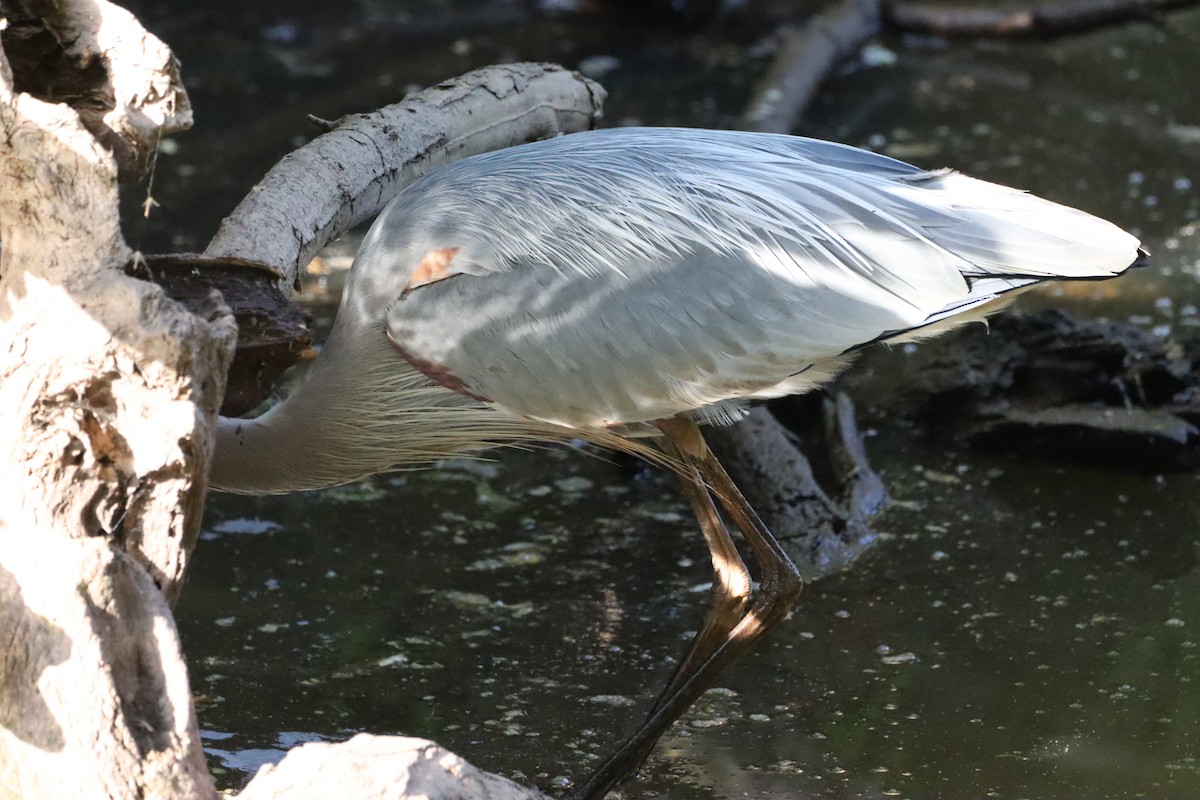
{"x": 805, "y": 58}
{"x": 1037, "y": 20}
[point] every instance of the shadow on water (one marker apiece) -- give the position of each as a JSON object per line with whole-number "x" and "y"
{"x": 1025, "y": 631}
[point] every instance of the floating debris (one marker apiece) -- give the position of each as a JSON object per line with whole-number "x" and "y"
{"x": 397, "y": 660}
{"x": 900, "y": 658}
{"x": 616, "y": 700}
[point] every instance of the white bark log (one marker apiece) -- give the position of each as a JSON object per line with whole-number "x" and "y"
{"x": 321, "y": 190}
{"x": 107, "y": 394}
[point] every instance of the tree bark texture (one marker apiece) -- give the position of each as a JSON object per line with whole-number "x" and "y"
{"x": 107, "y": 393}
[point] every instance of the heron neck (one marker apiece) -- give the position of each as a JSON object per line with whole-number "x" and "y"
{"x": 276, "y": 453}
{"x": 359, "y": 409}
{"x": 313, "y": 437}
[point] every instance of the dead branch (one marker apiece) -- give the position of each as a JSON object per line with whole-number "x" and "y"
{"x": 344, "y": 177}
{"x": 804, "y": 59}
{"x": 273, "y": 332}
{"x": 1044, "y": 20}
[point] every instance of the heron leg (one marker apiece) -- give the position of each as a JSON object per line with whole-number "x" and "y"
{"x": 706, "y": 661}
{"x": 730, "y": 589}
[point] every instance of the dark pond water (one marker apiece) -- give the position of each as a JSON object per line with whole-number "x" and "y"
{"x": 1024, "y": 631}
{"x": 1027, "y": 631}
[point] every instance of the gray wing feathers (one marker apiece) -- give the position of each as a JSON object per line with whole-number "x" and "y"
{"x": 655, "y": 271}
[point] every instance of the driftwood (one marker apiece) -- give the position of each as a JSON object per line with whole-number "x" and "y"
{"x": 1036, "y": 20}
{"x": 1043, "y": 385}
{"x": 822, "y": 530}
{"x": 322, "y": 189}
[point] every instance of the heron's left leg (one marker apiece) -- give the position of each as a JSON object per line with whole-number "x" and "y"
{"x": 779, "y": 589}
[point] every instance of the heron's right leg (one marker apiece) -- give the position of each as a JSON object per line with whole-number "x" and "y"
{"x": 730, "y": 589}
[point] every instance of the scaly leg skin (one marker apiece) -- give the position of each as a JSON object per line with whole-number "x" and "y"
{"x": 730, "y": 589}
{"x": 711, "y": 654}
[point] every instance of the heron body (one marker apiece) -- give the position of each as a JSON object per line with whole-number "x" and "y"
{"x": 623, "y": 285}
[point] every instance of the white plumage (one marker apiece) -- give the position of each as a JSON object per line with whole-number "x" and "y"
{"x": 628, "y": 275}
{"x": 593, "y": 282}
{"x": 621, "y": 285}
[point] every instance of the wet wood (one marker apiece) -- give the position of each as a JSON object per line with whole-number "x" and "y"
{"x": 1124, "y": 438}
{"x": 273, "y": 332}
{"x": 823, "y": 530}
{"x": 1046, "y": 386}
{"x": 806, "y": 55}
{"x": 823, "y": 525}
{"x": 1035, "y": 20}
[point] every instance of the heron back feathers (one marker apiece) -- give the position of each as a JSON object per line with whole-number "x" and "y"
{"x": 629, "y": 274}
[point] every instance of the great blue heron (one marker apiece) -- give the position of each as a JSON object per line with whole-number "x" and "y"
{"x": 624, "y": 285}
